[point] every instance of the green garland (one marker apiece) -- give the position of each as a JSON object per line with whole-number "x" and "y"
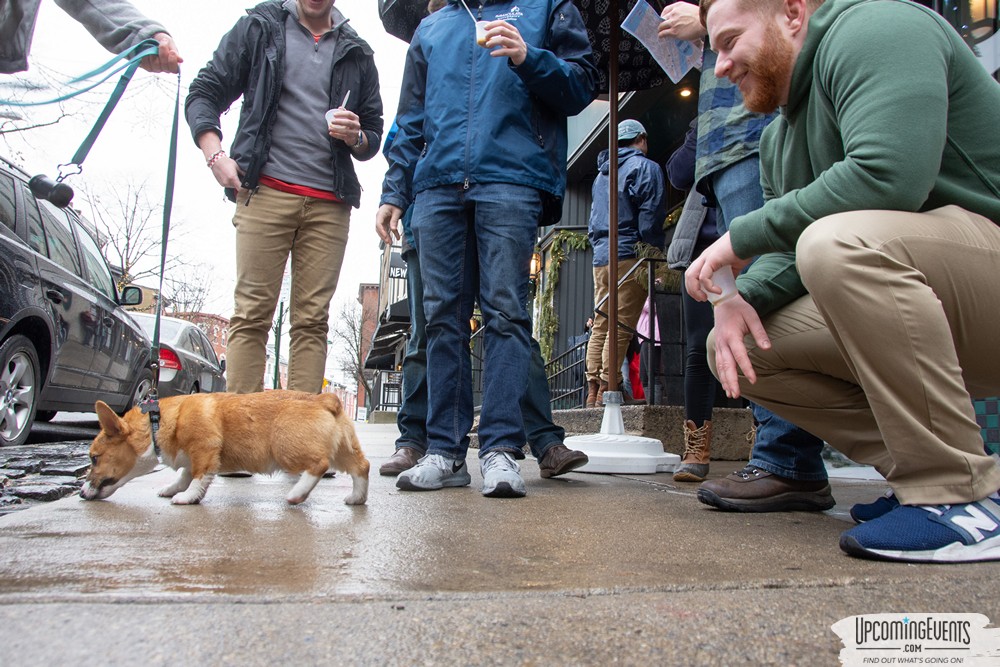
{"x": 548, "y": 324}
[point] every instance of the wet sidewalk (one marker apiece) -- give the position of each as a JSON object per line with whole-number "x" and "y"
{"x": 586, "y": 570}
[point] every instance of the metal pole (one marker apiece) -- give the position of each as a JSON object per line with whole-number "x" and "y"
{"x": 277, "y": 346}
{"x": 612, "y": 339}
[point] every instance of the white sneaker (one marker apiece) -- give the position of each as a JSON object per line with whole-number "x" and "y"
{"x": 434, "y": 472}
{"x": 502, "y": 476}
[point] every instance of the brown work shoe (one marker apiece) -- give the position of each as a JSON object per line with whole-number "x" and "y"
{"x": 559, "y": 460}
{"x": 697, "y": 448}
{"x": 756, "y": 490}
{"x": 402, "y": 459}
{"x": 592, "y": 387}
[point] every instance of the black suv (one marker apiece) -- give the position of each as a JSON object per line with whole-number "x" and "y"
{"x": 64, "y": 339}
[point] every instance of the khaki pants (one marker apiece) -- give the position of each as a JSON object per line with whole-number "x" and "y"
{"x": 631, "y": 296}
{"x": 274, "y": 225}
{"x": 880, "y": 360}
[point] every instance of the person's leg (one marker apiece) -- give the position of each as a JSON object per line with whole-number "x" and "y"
{"x": 599, "y": 329}
{"x": 781, "y": 448}
{"x": 317, "y": 255}
{"x": 913, "y": 312}
{"x": 412, "y": 416}
{"x": 265, "y": 229}
{"x": 631, "y": 296}
{"x": 882, "y": 363}
{"x": 699, "y": 392}
{"x": 536, "y": 407}
{"x": 446, "y": 249}
{"x": 411, "y": 419}
{"x": 700, "y": 385}
{"x": 506, "y": 218}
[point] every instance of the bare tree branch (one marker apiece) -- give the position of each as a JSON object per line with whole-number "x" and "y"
{"x": 347, "y": 335}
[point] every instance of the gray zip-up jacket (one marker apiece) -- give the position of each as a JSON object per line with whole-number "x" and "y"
{"x": 115, "y": 24}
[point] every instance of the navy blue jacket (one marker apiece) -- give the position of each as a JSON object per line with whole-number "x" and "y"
{"x": 467, "y": 117}
{"x": 249, "y": 62}
{"x": 642, "y": 205}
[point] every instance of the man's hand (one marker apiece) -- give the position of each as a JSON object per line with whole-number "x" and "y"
{"x": 505, "y": 36}
{"x": 167, "y": 59}
{"x": 681, "y": 21}
{"x": 734, "y": 319}
{"x": 387, "y": 222}
{"x": 698, "y": 276}
{"x": 345, "y": 126}
{"x": 227, "y": 172}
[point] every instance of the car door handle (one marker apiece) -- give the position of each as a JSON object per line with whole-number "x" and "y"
{"x": 54, "y": 295}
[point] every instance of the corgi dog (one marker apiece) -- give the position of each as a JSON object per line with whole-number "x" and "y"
{"x": 201, "y": 435}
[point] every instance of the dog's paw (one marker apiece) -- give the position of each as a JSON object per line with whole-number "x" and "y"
{"x": 355, "y": 499}
{"x": 167, "y": 492}
{"x": 186, "y": 498}
{"x": 296, "y": 500}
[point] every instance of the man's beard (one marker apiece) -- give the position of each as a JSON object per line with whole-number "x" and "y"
{"x": 771, "y": 68}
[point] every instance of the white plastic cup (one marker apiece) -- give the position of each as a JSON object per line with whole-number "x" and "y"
{"x": 481, "y": 33}
{"x": 723, "y": 277}
{"x": 329, "y": 116}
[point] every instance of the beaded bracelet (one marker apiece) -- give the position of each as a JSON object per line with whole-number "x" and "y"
{"x": 216, "y": 156}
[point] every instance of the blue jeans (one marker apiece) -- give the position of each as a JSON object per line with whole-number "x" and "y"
{"x": 536, "y": 405}
{"x": 412, "y": 416}
{"x": 781, "y": 447}
{"x": 480, "y": 236}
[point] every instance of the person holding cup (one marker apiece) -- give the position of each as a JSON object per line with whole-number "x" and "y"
{"x": 291, "y": 169}
{"x": 480, "y": 154}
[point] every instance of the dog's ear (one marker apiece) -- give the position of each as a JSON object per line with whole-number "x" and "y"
{"x": 110, "y": 423}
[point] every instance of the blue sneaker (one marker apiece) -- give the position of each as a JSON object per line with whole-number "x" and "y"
{"x": 434, "y": 472}
{"x": 502, "y": 476}
{"x": 867, "y": 511}
{"x": 962, "y": 533}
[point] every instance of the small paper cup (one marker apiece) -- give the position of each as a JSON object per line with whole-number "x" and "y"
{"x": 481, "y": 33}
{"x": 329, "y": 116}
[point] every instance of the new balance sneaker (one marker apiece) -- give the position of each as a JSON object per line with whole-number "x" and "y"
{"x": 434, "y": 472}
{"x": 867, "y": 511}
{"x": 961, "y": 533}
{"x": 502, "y": 476}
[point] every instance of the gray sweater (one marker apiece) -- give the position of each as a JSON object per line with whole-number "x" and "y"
{"x": 115, "y": 24}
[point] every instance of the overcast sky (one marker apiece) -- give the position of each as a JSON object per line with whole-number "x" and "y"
{"x": 134, "y": 143}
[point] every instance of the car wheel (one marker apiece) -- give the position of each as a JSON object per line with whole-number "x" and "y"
{"x": 19, "y": 388}
{"x": 44, "y": 415}
{"x": 195, "y": 389}
{"x": 142, "y": 389}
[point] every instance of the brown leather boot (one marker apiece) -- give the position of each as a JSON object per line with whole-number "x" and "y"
{"x": 697, "y": 447}
{"x": 592, "y": 387}
{"x": 600, "y": 394}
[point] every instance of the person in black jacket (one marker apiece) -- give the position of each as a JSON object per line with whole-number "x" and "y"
{"x": 311, "y": 105}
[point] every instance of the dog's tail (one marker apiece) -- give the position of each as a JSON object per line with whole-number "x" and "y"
{"x": 332, "y": 404}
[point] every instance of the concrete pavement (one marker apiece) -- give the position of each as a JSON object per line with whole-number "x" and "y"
{"x": 587, "y": 570}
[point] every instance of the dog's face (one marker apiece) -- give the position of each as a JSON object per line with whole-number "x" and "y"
{"x": 117, "y": 455}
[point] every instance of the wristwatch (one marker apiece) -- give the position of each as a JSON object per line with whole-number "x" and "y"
{"x": 360, "y": 141}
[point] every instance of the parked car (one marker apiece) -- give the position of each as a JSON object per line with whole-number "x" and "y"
{"x": 65, "y": 341}
{"x": 188, "y": 363}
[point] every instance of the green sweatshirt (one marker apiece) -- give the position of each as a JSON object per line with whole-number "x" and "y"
{"x": 888, "y": 109}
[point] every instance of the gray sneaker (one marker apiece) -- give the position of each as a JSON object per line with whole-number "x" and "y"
{"x": 502, "y": 476}
{"x": 434, "y": 472}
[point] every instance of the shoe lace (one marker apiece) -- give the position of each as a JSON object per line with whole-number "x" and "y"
{"x": 748, "y": 472}
{"x": 499, "y": 461}
{"x": 696, "y": 441}
{"x": 752, "y": 435}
